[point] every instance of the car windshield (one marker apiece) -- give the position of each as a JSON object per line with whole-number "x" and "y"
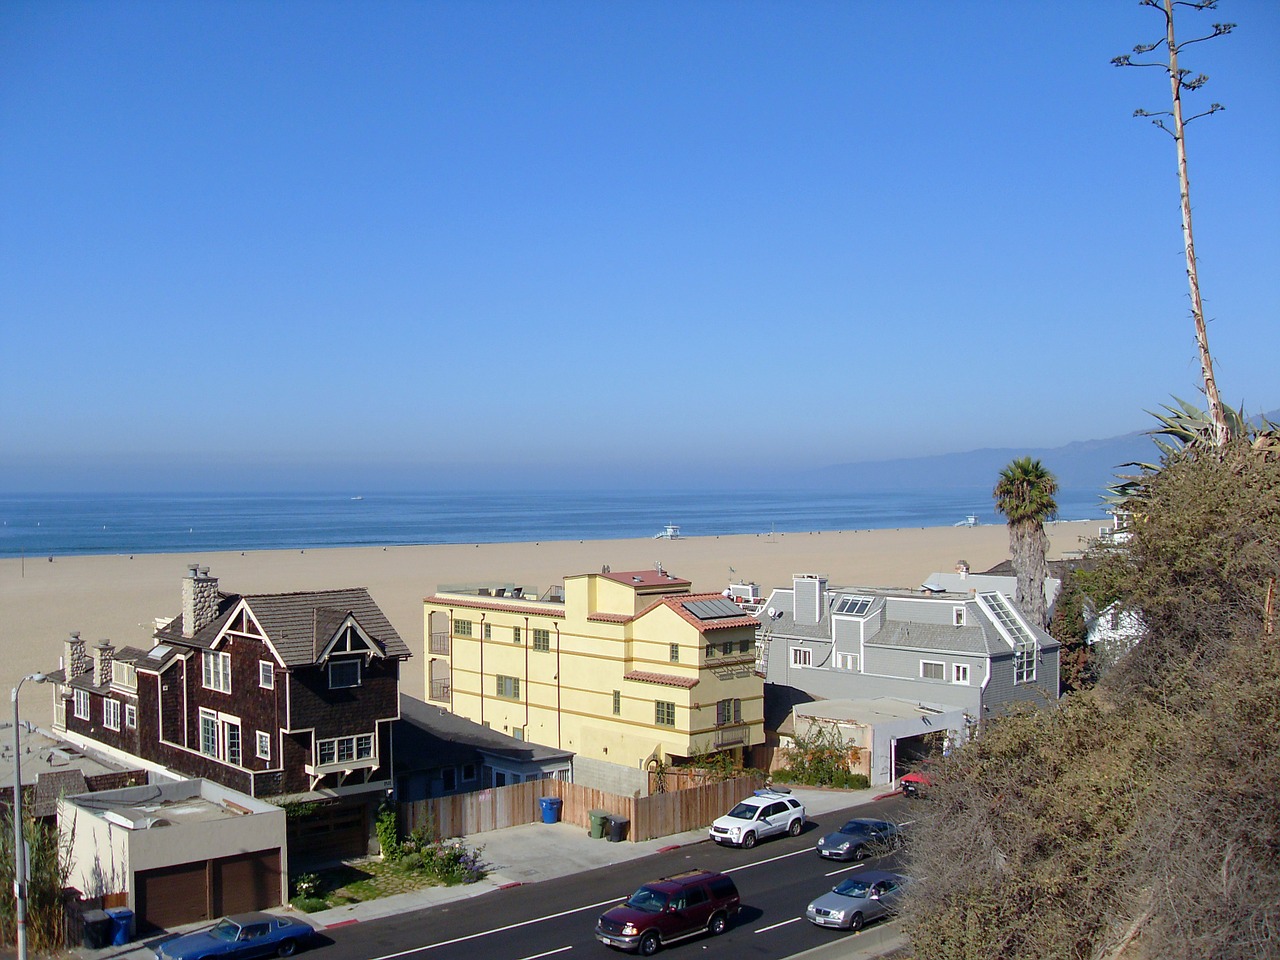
{"x": 856, "y": 826}
{"x": 857, "y": 889}
{"x": 647, "y": 900}
{"x": 744, "y": 811}
{"x": 225, "y": 930}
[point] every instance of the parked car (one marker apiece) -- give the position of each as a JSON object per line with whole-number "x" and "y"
{"x": 670, "y": 909}
{"x": 854, "y": 901}
{"x": 860, "y": 838}
{"x": 241, "y": 935}
{"x": 763, "y": 814}
{"x": 915, "y": 784}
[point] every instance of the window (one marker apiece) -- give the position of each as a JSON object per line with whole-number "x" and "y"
{"x": 744, "y": 646}
{"x": 264, "y": 745}
{"x": 345, "y": 750}
{"x": 1024, "y": 664}
{"x": 959, "y": 673}
{"x": 220, "y": 736}
{"x": 217, "y": 671}
{"x": 675, "y": 653}
{"x": 130, "y": 716}
{"x": 855, "y": 606}
{"x": 957, "y": 614}
{"x": 82, "y": 704}
{"x": 801, "y": 657}
{"x": 343, "y": 674}
{"x": 517, "y": 733}
{"x": 710, "y": 651}
{"x": 508, "y": 687}
{"x": 468, "y": 772}
{"x": 617, "y": 702}
{"x": 541, "y": 639}
{"x": 488, "y": 631}
{"x": 664, "y": 714}
{"x": 462, "y": 628}
{"x": 266, "y": 675}
{"x": 847, "y": 661}
{"x": 515, "y": 634}
{"x": 728, "y": 711}
{"x": 111, "y": 714}
{"x": 932, "y": 670}
{"x": 727, "y": 648}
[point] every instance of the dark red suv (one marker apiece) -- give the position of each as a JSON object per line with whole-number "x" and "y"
{"x": 670, "y": 909}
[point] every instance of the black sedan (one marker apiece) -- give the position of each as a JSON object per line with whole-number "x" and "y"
{"x": 860, "y": 838}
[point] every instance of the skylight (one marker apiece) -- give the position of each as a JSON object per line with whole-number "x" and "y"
{"x": 854, "y": 606}
{"x": 1005, "y": 616}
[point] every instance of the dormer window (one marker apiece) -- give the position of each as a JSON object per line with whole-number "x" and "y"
{"x": 344, "y": 674}
{"x": 957, "y": 614}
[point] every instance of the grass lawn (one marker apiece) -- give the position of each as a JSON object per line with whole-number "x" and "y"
{"x": 364, "y": 880}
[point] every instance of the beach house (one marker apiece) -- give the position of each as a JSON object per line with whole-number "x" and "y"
{"x": 949, "y": 657}
{"x": 626, "y": 670}
{"x": 287, "y": 696}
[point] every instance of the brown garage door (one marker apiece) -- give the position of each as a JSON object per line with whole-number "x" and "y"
{"x": 250, "y": 881}
{"x": 168, "y": 896}
{"x": 335, "y": 832}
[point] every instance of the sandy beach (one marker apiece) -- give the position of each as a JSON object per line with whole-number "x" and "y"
{"x": 119, "y": 597}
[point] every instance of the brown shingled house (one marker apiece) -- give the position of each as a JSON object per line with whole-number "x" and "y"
{"x": 287, "y": 696}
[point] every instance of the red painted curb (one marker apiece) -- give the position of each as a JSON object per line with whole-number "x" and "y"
{"x": 886, "y": 796}
{"x": 342, "y": 923}
{"x": 508, "y": 886}
{"x": 674, "y": 846}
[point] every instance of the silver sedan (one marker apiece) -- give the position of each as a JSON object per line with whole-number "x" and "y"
{"x": 854, "y": 901}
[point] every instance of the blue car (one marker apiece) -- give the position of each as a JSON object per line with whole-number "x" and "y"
{"x": 242, "y": 935}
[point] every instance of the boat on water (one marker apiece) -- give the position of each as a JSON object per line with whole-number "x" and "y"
{"x": 670, "y": 532}
{"x": 970, "y": 521}
{"x": 357, "y": 498}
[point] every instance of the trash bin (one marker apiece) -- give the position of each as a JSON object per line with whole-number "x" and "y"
{"x": 121, "y": 925}
{"x": 551, "y": 809}
{"x": 618, "y": 828}
{"x": 598, "y": 821}
{"x": 97, "y": 929}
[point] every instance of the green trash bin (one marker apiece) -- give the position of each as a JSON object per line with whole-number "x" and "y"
{"x": 599, "y": 820}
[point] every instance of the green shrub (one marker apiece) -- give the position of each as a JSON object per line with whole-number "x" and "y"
{"x": 388, "y": 830}
{"x": 310, "y": 904}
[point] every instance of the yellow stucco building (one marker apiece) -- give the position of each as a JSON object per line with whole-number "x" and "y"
{"x": 620, "y": 667}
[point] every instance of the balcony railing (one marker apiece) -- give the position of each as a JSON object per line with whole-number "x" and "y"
{"x": 439, "y": 643}
{"x": 730, "y": 736}
{"x": 440, "y": 690}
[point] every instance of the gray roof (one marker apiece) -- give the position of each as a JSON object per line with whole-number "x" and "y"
{"x": 298, "y": 624}
{"x": 428, "y": 737}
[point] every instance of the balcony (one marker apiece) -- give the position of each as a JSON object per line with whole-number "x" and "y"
{"x": 440, "y": 690}
{"x": 439, "y": 644}
{"x": 731, "y": 736}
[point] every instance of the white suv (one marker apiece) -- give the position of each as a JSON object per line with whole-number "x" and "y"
{"x": 761, "y": 815}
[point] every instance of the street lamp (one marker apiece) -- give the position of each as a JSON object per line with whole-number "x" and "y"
{"x": 19, "y": 848}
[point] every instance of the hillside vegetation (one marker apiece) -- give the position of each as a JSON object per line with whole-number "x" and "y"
{"x": 1138, "y": 818}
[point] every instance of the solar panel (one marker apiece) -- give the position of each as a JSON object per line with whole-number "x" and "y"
{"x": 718, "y": 609}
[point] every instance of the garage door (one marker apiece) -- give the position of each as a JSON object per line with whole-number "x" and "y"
{"x": 336, "y": 832}
{"x": 169, "y": 896}
{"x": 247, "y": 882}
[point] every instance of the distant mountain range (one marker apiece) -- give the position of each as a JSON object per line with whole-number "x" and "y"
{"x": 1081, "y": 465}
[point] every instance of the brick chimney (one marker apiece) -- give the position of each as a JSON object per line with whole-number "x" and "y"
{"x": 106, "y": 653}
{"x": 199, "y": 600}
{"x": 962, "y": 568}
{"x": 74, "y": 659}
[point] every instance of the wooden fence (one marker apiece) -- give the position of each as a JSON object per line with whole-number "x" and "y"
{"x": 660, "y": 815}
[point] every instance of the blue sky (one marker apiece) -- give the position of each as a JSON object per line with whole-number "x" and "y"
{"x": 296, "y": 244}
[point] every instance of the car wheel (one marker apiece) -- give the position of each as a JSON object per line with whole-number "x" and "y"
{"x": 862, "y": 852}
{"x": 649, "y": 944}
{"x": 855, "y": 922}
{"x": 718, "y": 925}
{"x": 795, "y": 828}
{"x": 287, "y": 948}
{"x": 748, "y": 840}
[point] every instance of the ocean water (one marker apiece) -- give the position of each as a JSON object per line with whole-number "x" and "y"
{"x": 156, "y": 523}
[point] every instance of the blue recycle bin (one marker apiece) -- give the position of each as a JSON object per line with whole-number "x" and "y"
{"x": 121, "y": 925}
{"x": 551, "y": 809}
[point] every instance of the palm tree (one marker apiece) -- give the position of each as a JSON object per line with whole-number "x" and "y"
{"x": 1024, "y": 494}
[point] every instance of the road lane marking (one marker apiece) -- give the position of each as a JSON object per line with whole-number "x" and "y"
{"x": 856, "y": 866}
{"x": 777, "y": 925}
{"x": 761, "y": 863}
{"x": 549, "y": 953}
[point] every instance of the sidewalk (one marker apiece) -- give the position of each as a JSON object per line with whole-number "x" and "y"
{"x": 529, "y": 853}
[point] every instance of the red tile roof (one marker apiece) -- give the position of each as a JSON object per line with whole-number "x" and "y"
{"x": 664, "y": 679}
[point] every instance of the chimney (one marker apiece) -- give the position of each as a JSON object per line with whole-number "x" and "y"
{"x": 199, "y": 600}
{"x": 810, "y": 591}
{"x": 962, "y": 568}
{"x": 106, "y": 654}
{"x": 74, "y": 659}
